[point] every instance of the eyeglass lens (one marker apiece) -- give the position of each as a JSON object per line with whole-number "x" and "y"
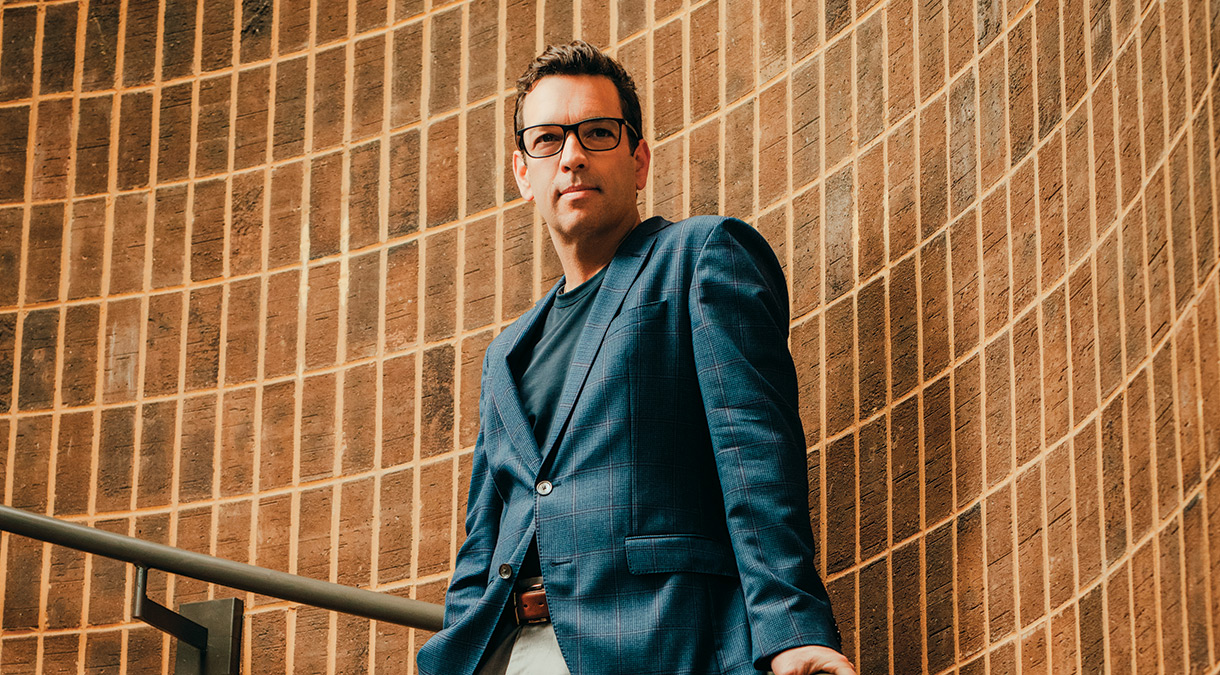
{"x": 594, "y": 134}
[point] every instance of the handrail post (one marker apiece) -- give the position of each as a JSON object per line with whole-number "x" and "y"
{"x": 208, "y": 632}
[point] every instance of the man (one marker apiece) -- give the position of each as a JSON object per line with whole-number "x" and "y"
{"x": 638, "y": 495}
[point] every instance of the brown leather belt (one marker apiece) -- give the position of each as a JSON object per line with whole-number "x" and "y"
{"x": 529, "y": 605}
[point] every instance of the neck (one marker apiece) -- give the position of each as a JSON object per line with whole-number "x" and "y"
{"x": 585, "y": 256}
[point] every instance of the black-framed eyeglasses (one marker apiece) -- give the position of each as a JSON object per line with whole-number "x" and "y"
{"x": 596, "y": 134}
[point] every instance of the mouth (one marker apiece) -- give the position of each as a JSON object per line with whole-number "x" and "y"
{"x": 577, "y": 189}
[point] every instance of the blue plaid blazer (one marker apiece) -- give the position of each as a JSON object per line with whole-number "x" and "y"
{"x": 676, "y": 537}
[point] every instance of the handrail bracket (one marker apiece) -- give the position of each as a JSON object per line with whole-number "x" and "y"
{"x": 208, "y": 632}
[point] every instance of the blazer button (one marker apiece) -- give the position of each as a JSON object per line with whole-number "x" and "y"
{"x": 506, "y": 571}
{"x": 544, "y": 488}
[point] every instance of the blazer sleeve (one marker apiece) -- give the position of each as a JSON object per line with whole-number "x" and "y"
{"x": 739, "y": 327}
{"x": 483, "y": 508}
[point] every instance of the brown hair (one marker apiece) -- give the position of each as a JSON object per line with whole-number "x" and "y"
{"x": 581, "y": 58}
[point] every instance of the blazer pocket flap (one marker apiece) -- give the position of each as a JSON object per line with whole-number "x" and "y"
{"x": 652, "y": 554}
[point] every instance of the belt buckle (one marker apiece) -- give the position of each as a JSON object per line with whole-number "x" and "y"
{"x": 517, "y": 605}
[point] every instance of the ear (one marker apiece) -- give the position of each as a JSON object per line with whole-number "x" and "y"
{"x": 643, "y": 159}
{"x": 520, "y": 173}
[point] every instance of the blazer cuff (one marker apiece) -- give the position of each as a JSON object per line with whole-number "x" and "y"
{"x": 831, "y": 640}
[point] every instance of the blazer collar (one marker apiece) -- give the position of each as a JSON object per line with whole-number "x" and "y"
{"x": 621, "y": 274}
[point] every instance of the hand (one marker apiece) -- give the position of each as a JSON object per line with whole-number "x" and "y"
{"x": 809, "y": 660}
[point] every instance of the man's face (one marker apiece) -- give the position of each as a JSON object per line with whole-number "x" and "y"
{"x": 580, "y": 192}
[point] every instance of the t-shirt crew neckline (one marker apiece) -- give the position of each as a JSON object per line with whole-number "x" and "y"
{"x": 566, "y": 297}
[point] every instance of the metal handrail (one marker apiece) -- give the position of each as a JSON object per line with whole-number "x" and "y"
{"x": 242, "y": 576}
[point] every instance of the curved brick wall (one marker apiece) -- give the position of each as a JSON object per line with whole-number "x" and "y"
{"x": 251, "y": 253}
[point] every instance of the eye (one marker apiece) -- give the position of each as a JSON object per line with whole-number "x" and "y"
{"x": 546, "y": 137}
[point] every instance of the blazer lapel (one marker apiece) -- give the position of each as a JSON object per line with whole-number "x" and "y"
{"x": 626, "y": 265}
{"x": 504, "y": 387}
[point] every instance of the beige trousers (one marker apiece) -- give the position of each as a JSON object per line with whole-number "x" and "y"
{"x": 528, "y": 650}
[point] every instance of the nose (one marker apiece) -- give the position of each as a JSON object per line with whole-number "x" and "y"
{"x": 573, "y": 154}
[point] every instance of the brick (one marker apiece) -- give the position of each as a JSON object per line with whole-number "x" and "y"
{"x": 1021, "y": 90}
{"x": 277, "y": 438}
{"x": 256, "y": 30}
{"x": 216, "y": 36}
{"x": 272, "y": 535}
{"x": 1077, "y": 174}
{"x": 906, "y": 582}
{"x": 704, "y": 63}
{"x": 903, "y": 183}
{"x": 92, "y": 144}
{"x": 178, "y": 48}
{"x": 436, "y": 401}
{"x": 841, "y": 504}
{"x": 704, "y": 162}
{"x": 870, "y": 339}
{"x": 516, "y": 268}
{"x": 1157, "y": 263}
{"x": 364, "y": 200}
{"x": 773, "y": 145}
{"x": 904, "y": 329}
{"x": 1083, "y": 343}
{"x": 250, "y": 122}
{"x": 363, "y": 310}
{"x": 212, "y": 126}
{"x": 969, "y": 591}
{"x": 238, "y": 436}
{"x": 905, "y": 470}
{"x": 933, "y": 168}
{"x": 358, "y": 443}
{"x": 874, "y": 622}
{"x": 1109, "y": 329}
{"x": 1171, "y": 607}
{"x": 483, "y": 30}
{"x": 325, "y": 207}
{"x": 52, "y": 149}
{"x": 1130, "y": 151}
{"x": 1075, "y": 80}
{"x": 482, "y": 173}
{"x": 901, "y": 56}
{"x": 322, "y": 316}
{"x": 739, "y": 51}
{"x": 284, "y": 225}
{"x": 34, "y": 437}
{"x": 939, "y": 629}
{"x": 440, "y": 285}
{"x": 140, "y": 44}
{"x": 1186, "y": 399}
{"x": 1118, "y": 621}
{"x": 127, "y": 250}
{"x": 934, "y": 315}
{"x": 1139, "y": 456}
{"x": 12, "y": 152}
{"x": 39, "y": 360}
{"x": 288, "y": 133}
{"x": 21, "y": 611}
{"x": 135, "y": 139}
{"x": 208, "y": 230}
{"x": 402, "y": 270}
{"x": 1055, "y": 355}
{"x": 86, "y": 237}
{"x": 839, "y": 234}
{"x": 268, "y": 630}
{"x": 1205, "y": 214}
{"x": 1175, "y": 83}
{"x": 839, "y": 110}
{"x": 1180, "y": 225}
{"x": 839, "y": 367}
{"x": 1213, "y": 534}
{"x": 317, "y": 437}
{"x": 873, "y": 488}
{"x": 1209, "y": 369}
{"x": 294, "y": 16}
{"x": 473, "y": 351}
{"x": 938, "y": 453}
{"x": 870, "y": 249}
{"x": 79, "y": 375}
{"x": 405, "y": 89}
{"x": 1167, "y": 452}
{"x": 998, "y": 514}
{"x": 329, "y": 97}
{"x": 806, "y": 353}
{"x": 1113, "y": 478}
{"x": 396, "y": 531}
{"x": 398, "y": 411}
{"x": 174, "y": 132}
{"x": 1051, "y": 211}
{"x": 73, "y": 453}
{"x": 1195, "y": 583}
{"x": 8, "y": 336}
{"x": 806, "y": 126}
{"x": 931, "y": 32}
{"x": 479, "y": 274}
{"x": 122, "y": 350}
{"x": 203, "y": 346}
{"x": 1135, "y": 321}
{"x": 355, "y": 532}
{"x": 967, "y": 434}
{"x": 198, "y": 444}
{"x": 43, "y": 252}
{"x": 1105, "y": 170}
{"x": 962, "y": 162}
{"x": 246, "y": 223}
{"x": 314, "y": 534}
{"x": 404, "y": 214}
{"x": 101, "y": 37}
{"x": 116, "y": 454}
{"x": 993, "y": 142}
{"x": 58, "y": 59}
{"x": 1060, "y": 540}
{"x": 1031, "y": 545}
{"x": 11, "y": 227}
{"x": 740, "y": 175}
{"x": 156, "y": 454}
{"x": 1152, "y": 89}
{"x": 435, "y": 524}
{"x": 964, "y": 268}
